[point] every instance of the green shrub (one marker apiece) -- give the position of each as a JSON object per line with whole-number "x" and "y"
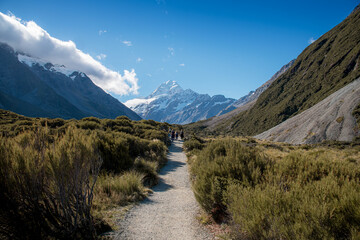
{"x": 112, "y": 190}
{"x": 120, "y": 118}
{"x": 304, "y": 194}
{"x": 149, "y": 122}
{"x": 114, "y": 150}
{"x": 123, "y": 122}
{"x": 324, "y": 209}
{"x": 91, "y": 125}
{"x": 149, "y": 169}
{"x": 48, "y": 168}
{"x": 46, "y": 185}
{"x": 156, "y": 134}
{"x": 157, "y": 152}
{"x": 53, "y": 123}
{"x": 220, "y": 163}
{"x": 193, "y": 143}
{"x": 128, "y": 130}
{"x": 91, "y": 119}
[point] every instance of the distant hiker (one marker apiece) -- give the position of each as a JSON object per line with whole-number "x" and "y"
{"x": 172, "y": 135}
{"x": 176, "y": 135}
{"x": 182, "y": 134}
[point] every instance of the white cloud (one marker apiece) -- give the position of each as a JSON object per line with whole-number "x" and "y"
{"x": 139, "y": 59}
{"x": 101, "y": 56}
{"x": 172, "y": 51}
{"x": 101, "y": 32}
{"x": 29, "y": 38}
{"x": 182, "y": 64}
{"x": 160, "y": 2}
{"x": 127, "y": 43}
{"x": 311, "y": 40}
{"x": 149, "y": 75}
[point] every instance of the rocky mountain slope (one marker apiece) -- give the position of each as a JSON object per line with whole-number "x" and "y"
{"x": 254, "y": 95}
{"x": 36, "y": 88}
{"x": 211, "y": 125}
{"x": 170, "y": 103}
{"x": 324, "y": 67}
{"x": 330, "y": 119}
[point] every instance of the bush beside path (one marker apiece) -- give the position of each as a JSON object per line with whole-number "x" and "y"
{"x": 170, "y": 212}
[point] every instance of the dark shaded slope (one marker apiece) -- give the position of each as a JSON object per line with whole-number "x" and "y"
{"x": 38, "y": 92}
{"x": 17, "y": 105}
{"x": 23, "y": 92}
{"x": 324, "y": 67}
{"x": 84, "y": 94}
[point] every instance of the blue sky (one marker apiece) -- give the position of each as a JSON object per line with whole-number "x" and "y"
{"x": 215, "y": 47}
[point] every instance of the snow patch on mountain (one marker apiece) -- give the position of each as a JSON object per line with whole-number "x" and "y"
{"x": 138, "y": 101}
{"x": 31, "y": 61}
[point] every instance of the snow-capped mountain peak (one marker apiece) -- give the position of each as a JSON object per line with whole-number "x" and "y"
{"x": 168, "y": 88}
{"x": 31, "y": 61}
{"x": 170, "y": 103}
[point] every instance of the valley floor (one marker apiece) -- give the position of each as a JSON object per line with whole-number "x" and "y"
{"x": 170, "y": 212}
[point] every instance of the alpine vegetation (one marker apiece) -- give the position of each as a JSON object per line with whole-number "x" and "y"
{"x": 58, "y": 177}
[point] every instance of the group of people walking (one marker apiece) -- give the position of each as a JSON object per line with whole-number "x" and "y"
{"x": 175, "y": 134}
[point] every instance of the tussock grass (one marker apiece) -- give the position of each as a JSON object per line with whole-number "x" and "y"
{"x": 114, "y": 190}
{"x": 193, "y": 143}
{"x": 49, "y": 172}
{"x": 278, "y": 191}
{"x": 47, "y": 185}
{"x": 149, "y": 169}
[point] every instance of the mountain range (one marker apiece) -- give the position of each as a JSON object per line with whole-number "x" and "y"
{"x": 171, "y": 103}
{"x": 322, "y": 70}
{"x": 37, "y": 88}
{"x": 253, "y": 95}
{"x": 313, "y": 98}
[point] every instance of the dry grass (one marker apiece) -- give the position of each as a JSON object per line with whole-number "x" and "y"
{"x": 118, "y": 190}
{"x": 48, "y": 168}
{"x": 279, "y": 191}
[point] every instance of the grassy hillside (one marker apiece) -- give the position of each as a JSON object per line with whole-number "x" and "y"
{"x": 321, "y": 69}
{"x": 356, "y": 114}
{"x": 58, "y": 178}
{"x": 264, "y": 190}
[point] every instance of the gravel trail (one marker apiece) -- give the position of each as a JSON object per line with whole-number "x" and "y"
{"x": 168, "y": 213}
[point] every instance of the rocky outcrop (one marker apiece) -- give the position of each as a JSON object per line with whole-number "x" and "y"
{"x": 330, "y": 119}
